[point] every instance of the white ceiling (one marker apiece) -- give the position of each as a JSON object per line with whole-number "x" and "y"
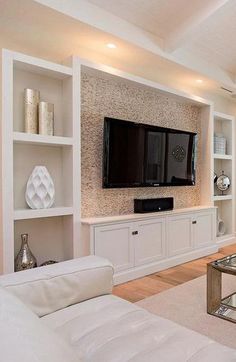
{"x": 159, "y": 17}
{"x": 215, "y": 40}
{"x": 82, "y": 27}
{"x": 205, "y": 28}
{"x": 198, "y": 34}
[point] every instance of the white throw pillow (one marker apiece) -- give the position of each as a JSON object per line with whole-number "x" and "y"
{"x": 23, "y": 337}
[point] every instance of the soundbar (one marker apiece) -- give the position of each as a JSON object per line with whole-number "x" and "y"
{"x": 153, "y": 205}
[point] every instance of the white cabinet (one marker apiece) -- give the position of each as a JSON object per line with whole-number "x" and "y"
{"x": 204, "y": 226}
{"x": 115, "y": 242}
{"x": 179, "y": 234}
{"x": 130, "y": 244}
{"x": 141, "y": 244}
{"x": 149, "y": 243}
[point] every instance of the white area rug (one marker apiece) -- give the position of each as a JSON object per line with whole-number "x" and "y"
{"x": 186, "y": 305}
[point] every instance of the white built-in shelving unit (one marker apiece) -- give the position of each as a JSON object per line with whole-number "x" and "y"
{"x": 53, "y": 233}
{"x": 224, "y": 125}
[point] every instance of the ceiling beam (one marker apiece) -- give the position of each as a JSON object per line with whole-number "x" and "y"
{"x": 96, "y": 17}
{"x": 188, "y": 28}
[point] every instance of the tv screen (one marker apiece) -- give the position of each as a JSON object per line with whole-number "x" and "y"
{"x": 141, "y": 155}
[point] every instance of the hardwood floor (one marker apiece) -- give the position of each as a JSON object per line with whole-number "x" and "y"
{"x": 138, "y": 289}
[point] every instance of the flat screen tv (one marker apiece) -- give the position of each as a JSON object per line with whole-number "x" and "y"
{"x": 142, "y": 155}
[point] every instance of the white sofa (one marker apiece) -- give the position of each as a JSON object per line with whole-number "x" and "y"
{"x": 66, "y": 313}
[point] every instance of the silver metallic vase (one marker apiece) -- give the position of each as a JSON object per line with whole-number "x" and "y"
{"x": 31, "y": 100}
{"x": 25, "y": 258}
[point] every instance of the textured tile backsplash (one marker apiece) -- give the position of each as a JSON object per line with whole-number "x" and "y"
{"x": 103, "y": 96}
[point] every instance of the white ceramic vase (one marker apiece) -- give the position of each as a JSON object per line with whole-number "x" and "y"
{"x": 40, "y": 191}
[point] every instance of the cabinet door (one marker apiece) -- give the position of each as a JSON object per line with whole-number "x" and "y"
{"x": 204, "y": 229}
{"x": 180, "y": 234}
{"x": 149, "y": 242}
{"x": 115, "y": 242}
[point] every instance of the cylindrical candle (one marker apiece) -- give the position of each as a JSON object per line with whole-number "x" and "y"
{"x": 31, "y": 100}
{"x": 46, "y": 118}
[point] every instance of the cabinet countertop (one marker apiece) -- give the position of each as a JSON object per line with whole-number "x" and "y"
{"x": 135, "y": 217}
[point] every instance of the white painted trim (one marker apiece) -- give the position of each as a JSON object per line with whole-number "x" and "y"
{"x": 224, "y": 116}
{"x": 225, "y": 240}
{"x": 218, "y": 156}
{"x": 143, "y": 81}
{"x": 93, "y": 221}
{"x": 7, "y": 162}
{"x": 77, "y": 243}
{"x": 22, "y": 137}
{"x": 23, "y": 214}
{"x": 139, "y": 272}
{"x": 222, "y": 197}
{"x": 59, "y": 71}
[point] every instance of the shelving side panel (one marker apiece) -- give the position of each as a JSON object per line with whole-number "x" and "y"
{"x": 78, "y": 249}
{"x": 7, "y": 227}
{"x": 207, "y": 155}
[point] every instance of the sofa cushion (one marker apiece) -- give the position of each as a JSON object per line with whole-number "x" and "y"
{"x": 23, "y": 337}
{"x": 47, "y": 289}
{"x": 110, "y": 329}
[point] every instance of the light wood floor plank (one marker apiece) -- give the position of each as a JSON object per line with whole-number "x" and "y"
{"x": 147, "y": 286}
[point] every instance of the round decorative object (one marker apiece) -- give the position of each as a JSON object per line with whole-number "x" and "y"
{"x": 25, "y": 258}
{"x": 223, "y": 182}
{"x": 49, "y": 262}
{"x": 215, "y": 177}
{"x": 40, "y": 191}
{"x": 220, "y": 227}
{"x": 179, "y": 153}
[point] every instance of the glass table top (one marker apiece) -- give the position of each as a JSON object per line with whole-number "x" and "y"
{"x": 226, "y": 263}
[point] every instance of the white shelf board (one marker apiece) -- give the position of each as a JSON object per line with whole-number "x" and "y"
{"x": 23, "y": 214}
{"x": 21, "y": 137}
{"x": 219, "y": 156}
{"x": 222, "y": 197}
{"x": 223, "y": 117}
{"x": 40, "y": 66}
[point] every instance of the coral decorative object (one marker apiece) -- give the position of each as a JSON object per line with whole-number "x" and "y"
{"x": 40, "y": 191}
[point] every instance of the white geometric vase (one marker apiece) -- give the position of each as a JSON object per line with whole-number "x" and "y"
{"x": 40, "y": 191}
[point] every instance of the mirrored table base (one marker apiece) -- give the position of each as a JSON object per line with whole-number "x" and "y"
{"x": 227, "y": 309}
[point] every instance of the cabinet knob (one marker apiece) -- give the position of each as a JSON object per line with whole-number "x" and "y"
{"x": 135, "y": 232}
{"x": 194, "y": 222}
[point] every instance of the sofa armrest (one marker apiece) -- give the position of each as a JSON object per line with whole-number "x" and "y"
{"x": 50, "y": 288}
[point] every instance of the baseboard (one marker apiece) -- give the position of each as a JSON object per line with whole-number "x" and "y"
{"x": 141, "y": 271}
{"x": 225, "y": 240}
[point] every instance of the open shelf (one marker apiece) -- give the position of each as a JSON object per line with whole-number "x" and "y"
{"x": 54, "y": 232}
{"x": 22, "y": 137}
{"x": 50, "y": 238}
{"x": 222, "y": 197}
{"x": 57, "y": 91}
{"x": 23, "y": 214}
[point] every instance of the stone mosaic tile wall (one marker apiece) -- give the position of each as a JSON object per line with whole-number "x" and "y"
{"x": 102, "y": 97}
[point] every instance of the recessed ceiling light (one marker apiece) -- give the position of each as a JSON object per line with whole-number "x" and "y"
{"x": 111, "y": 45}
{"x": 199, "y": 80}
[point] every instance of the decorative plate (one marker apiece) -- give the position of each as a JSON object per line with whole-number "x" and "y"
{"x": 179, "y": 153}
